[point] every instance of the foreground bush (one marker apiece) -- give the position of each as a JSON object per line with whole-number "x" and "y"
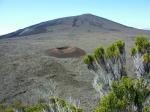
{"x": 127, "y": 95}
{"x": 120, "y": 93}
{"x": 55, "y": 104}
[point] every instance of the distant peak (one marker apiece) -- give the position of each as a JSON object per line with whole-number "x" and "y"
{"x": 84, "y": 22}
{"x": 87, "y": 14}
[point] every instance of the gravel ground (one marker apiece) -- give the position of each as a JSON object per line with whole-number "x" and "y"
{"x": 28, "y": 73}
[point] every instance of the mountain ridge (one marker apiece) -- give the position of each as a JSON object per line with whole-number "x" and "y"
{"x": 83, "y": 21}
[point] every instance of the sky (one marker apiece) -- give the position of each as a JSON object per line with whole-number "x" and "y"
{"x": 17, "y": 14}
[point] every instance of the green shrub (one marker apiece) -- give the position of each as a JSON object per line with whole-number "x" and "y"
{"x": 141, "y": 41}
{"x": 120, "y": 44}
{"x": 112, "y": 51}
{"x": 133, "y": 51}
{"x": 146, "y": 109}
{"x": 146, "y": 57}
{"x": 9, "y": 109}
{"x": 34, "y": 108}
{"x": 124, "y": 94}
{"x": 88, "y": 59}
{"x": 62, "y": 103}
{"x": 99, "y": 53}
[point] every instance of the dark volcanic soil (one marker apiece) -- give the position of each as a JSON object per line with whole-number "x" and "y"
{"x": 66, "y": 52}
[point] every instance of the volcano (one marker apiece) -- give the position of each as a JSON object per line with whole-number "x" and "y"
{"x": 46, "y": 59}
{"x": 76, "y": 24}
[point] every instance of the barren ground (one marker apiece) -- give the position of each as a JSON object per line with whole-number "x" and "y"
{"x": 28, "y": 73}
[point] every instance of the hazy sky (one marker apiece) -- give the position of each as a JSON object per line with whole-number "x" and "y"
{"x": 16, "y": 14}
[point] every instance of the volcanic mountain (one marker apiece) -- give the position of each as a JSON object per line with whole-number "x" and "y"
{"x": 46, "y": 59}
{"x": 76, "y": 24}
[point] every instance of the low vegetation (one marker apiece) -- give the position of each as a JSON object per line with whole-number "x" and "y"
{"x": 55, "y": 104}
{"x": 118, "y": 91}
{"x": 125, "y": 94}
